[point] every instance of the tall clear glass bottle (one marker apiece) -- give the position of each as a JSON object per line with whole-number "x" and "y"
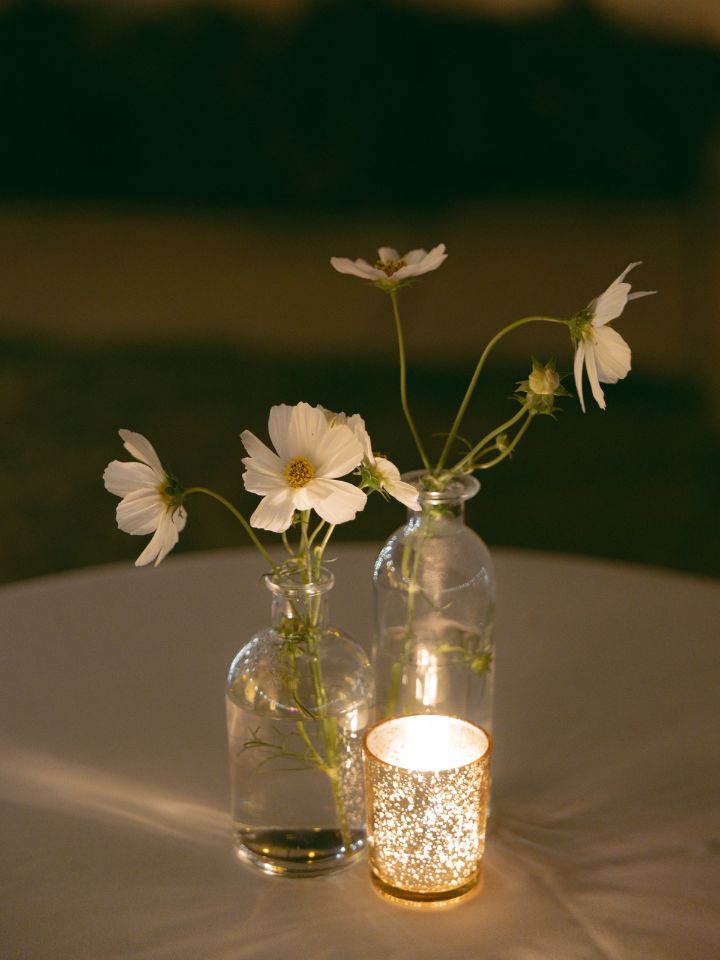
{"x": 435, "y": 604}
{"x": 299, "y": 697}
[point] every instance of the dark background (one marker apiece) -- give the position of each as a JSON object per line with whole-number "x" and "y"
{"x": 414, "y": 123}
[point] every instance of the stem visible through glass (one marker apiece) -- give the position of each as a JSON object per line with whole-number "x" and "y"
{"x": 309, "y": 623}
{"x": 310, "y": 571}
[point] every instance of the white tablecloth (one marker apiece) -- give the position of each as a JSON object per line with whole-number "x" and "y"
{"x": 113, "y": 782}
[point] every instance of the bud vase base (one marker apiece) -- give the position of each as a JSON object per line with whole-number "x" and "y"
{"x": 297, "y": 853}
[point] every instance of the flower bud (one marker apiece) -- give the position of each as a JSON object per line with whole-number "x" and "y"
{"x": 538, "y": 392}
{"x": 544, "y": 381}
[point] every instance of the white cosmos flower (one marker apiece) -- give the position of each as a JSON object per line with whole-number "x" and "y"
{"x": 600, "y": 348}
{"x": 383, "y": 474}
{"x": 390, "y": 268}
{"x": 149, "y": 498}
{"x": 302, "y": 474}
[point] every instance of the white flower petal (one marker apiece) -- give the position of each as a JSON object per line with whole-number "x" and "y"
{"x": 413, "y": 257}
{"x": 397, "y": 488}
{"x": 260, "y": 482}
{"x": 592, "y": 373}
{"x": 610, "y": 304}
{"x": 578, "y": 372}
{"x": 307, "y": 431}
{"x": 417, "y": 265}
{"x": 274, "y": 512}
{"x": 332, "y": 418}
{"x": 612, "y": 355}
{"x": 141, "y": 448}
{"x": 122, "y": 478}
{"x": 438, "y": 254}
{"x": 164, "y": 539}
{"x": 388, "y": 253}
{"x": 357, "y": 425}
{"x": 337, "y": 453}
{"x": 356, "y": 268}
{"x": 179, "y": 519}
{"x": 140, "y": 512}
{"x": 303, "y": 497}
{"x": 626, "y": 271}
{"x": 279, "y": 428}
{"x": 405, "y": 493}
{"x": 387, "y": 470}
{"x": 156, "y": 543}
{"x": 262, "y": 458}
{"x": 335, "y": 500}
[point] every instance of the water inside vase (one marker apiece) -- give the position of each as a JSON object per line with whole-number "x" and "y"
{"x": 291, "y": 814}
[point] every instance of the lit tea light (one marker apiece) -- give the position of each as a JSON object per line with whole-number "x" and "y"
{"x": 426, "y": 787}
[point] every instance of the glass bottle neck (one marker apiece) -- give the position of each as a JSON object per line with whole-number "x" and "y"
{"x": 443, "y": 499}
{"x": 309, "y": 611}
{"x": 449, "y": 510}
{"x": 298, "y": 603}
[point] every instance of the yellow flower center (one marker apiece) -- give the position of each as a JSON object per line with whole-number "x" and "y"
{"x": 389, "y": 267}
{"x": 299, "y": 472}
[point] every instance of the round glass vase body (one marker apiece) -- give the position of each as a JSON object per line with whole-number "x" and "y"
{"x": 434, "y": 586}
{"x": 299, "y": 697}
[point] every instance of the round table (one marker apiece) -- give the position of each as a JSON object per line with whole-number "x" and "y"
{"x": 605, "y": 842}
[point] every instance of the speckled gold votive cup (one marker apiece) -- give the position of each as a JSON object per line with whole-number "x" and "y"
{"x": 426, "y": 782}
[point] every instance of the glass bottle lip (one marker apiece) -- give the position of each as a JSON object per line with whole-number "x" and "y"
{"x": 460, "y": 486}
{"x": 292, "y": 583}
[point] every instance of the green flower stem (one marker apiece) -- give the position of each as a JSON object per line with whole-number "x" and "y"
{"x": 403, "y": 381}
{"x": 320, "y": 549}
{"x": 340, "y": 807}
{"x": 410, "y": 575}
{"x": 468, "y": 458}
{"x": 238, "y": 516}
{"x": 304, "y": 548}
{"x": 314, "y": 534}
{"x": 310, "y": 745}
{"x": 329, "y": 734}
{"x": 473, "y": 382}
{"x": 328, "y": 725}
{"x": 328, "y": 764}
{"x": 509, "y": 449}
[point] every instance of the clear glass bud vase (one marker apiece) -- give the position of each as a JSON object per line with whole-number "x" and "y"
{"x": 435, "y": 602}
{"x": 299, "y": 697}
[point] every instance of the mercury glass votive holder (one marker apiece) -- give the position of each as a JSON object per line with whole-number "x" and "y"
{"x": 426, "y": 783}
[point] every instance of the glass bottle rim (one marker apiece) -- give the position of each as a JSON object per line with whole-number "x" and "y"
{"x": 460, "y": 486}
{"x": 290, "y": 583}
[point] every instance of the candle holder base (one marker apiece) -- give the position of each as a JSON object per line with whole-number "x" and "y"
{"x": 427, "y": 901}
